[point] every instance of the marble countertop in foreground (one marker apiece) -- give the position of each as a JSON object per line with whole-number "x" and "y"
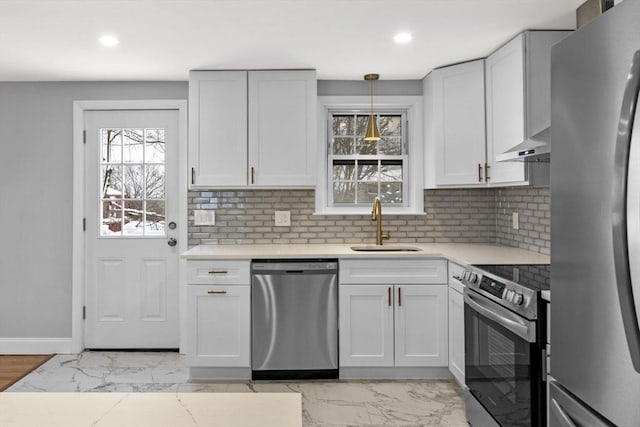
{"x": 464, "y": 253}
{"x": 150, "y": 409}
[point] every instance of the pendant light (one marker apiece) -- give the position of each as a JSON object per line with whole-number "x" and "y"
{"x": 372, "y": 133}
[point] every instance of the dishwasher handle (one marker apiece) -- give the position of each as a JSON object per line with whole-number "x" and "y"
{"x": 302, "y": 267}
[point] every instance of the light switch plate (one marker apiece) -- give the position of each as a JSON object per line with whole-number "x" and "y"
{"x": 283, "y": 218}
{"x": 204, "y": 217}
{"x": 515, "y": 221}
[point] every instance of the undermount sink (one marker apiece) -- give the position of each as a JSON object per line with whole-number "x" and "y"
{"x": 376, "y": 248}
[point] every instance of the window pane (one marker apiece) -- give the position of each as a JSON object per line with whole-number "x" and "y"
{"x": 391, "y": 192}
{"x": 111, "y": 223}
{"x": 111, "y": 142}
{"x": 367, "y": 191}
{"x": 390, "y": 145}
{"x": 390, "y": 125}
{"x": 344, "y": 192}
{"x": 368, "y": 170}
{"x": 155, "y": 181}
{"x": 154, "y": 145}
{"x": 343, "y": 145}
{"x": 342, "y": 125}
{"x": 391, "y": 172}
{"x": 133, "y": 182}
{"x": 133, "y": 216}
{"x": 344, "y": 171}
{"x": 366, "y": 147}
{"x": 155, "y": 218}
{"x": 361, "y": 125}
{"x": 132, "y": 146}
{"x": 111, "y": 181}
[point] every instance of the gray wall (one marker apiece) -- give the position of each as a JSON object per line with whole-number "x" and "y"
{"x": 36, "y": 203}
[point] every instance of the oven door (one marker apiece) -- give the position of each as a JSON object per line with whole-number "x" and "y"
{"x": 502, "y": 362}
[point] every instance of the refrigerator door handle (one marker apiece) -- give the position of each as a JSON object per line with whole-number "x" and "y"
{"x": 626, "y": 211}
{"x": 561, "y": 415}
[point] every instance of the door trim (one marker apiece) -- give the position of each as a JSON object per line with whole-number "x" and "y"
{"x": 78, "y": 240}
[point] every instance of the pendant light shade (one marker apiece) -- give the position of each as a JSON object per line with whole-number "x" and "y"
{"x": 372, "y": 133}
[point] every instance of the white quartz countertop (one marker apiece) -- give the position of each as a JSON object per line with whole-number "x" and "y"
{"x": 463, "y": 253}
{"x": 150, "y": 409}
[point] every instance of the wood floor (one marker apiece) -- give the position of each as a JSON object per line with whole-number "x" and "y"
{"x": 14, "y": 367}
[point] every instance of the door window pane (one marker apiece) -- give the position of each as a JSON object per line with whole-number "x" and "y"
{"x": 133, "y": 198}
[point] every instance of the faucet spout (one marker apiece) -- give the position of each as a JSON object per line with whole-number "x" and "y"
{"x": 376, "y": 215}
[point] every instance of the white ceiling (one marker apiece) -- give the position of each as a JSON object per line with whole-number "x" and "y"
{"x": 47, "y": 40}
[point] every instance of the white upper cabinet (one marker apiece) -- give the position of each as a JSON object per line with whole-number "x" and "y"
{"x": 518, "y": 100}
{"x": 505, "y": 97}
{"x": 218, "y": 128}
{"x": 252, "y": 128}
{"x": 455, "y": 125}
{"x": 282, "y": 128}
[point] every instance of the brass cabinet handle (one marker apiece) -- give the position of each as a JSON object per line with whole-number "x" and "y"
{"x": 486, "y": 172}
{"x": 193, "y": 176}
{"x": 218, "y": 271}
{"x": 217, "y": 292}
{"x": 253, "y": 175}
{"x": 479, "y": 172}
{"x": 399, "y": 297}
{"x": 389, "y": 295}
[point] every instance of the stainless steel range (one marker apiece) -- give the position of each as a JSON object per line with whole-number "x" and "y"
{"x": 505, "y": 344}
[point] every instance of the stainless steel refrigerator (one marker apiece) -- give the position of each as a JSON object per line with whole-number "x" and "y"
{"x": 595, "y": 223}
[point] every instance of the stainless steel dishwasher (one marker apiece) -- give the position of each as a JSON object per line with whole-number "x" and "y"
{"x": 294, "y": 317}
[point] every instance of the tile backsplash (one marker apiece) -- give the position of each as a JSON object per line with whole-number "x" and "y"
{"x": 456, "y": 215}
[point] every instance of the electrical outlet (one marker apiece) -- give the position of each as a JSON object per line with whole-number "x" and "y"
{"x": 515, "y": 221}
{"x": 204, "y": 217}
{"x": 283, "y": 218}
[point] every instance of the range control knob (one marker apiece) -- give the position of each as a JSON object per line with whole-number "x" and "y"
{"x": 474, "y": 278}
{"x": 518, "y": 299}
{"x": 509, "y": 295}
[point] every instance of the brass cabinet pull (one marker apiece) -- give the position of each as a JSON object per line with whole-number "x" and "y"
{"x": 253, "y": 175}
{"x": 193, "y": 176}
{"x": 218, "y": 271}
{"x": 486, "y": 172}
{"x": 399, "y": 297}
{"x": 217, "y": 292}
{"x": 389, "y": 295}
{"x": 479, "y": 172}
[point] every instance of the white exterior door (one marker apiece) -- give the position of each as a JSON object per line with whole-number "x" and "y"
{"x": 131, "y": 280}
{"x": 366, "y": 325}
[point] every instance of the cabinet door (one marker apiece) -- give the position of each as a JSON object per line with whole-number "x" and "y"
{"x": 219, "y": 326}
{"x": 218, "y": 128}
{"x": 458, "y": 120}
{"x": 282, "y": 123}
{"x": 421, "y": 325}
{"x": 456, "y": 335}
{"x": 505, "y": 109}
{"x": 366, "y": 325}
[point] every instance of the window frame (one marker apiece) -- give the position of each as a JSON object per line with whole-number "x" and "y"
{"x": 413, "y": 185}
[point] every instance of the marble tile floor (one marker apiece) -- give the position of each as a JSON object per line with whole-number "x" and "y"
{"x": 324, "y": 403}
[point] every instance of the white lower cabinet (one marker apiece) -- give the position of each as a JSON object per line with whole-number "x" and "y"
{"x": 456, "y": 323}
{"x": 393, "y": 325}
{"x": 219, "y": 329}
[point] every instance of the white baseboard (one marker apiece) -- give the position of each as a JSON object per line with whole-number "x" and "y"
{"x": 35, "y": 345}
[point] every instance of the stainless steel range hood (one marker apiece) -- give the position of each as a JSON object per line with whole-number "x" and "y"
{"x": 535, "y": 149}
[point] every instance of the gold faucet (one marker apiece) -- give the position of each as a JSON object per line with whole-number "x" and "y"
{"x": 376, "y": 215}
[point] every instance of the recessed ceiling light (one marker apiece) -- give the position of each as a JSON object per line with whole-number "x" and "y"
{"x": 402, "y": 38}
{"x": 108, "y": 40}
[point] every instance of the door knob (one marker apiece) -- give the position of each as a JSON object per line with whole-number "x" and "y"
{"x": 172, "y": 242}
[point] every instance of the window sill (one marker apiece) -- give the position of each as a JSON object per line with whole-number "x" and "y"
{"x": 367, "y": 211}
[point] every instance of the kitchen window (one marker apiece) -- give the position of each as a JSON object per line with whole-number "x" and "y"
{"x": 362, "y": 170}
{"x": 354, "y": 171}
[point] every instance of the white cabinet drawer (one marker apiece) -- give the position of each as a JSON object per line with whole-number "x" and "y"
{"x": 219, "y": 272}
{"x": 393, "y": 271}
{"x": 456, "y": 270}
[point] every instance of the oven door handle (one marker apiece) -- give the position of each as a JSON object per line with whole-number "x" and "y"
{"x": 510, "y": 321}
